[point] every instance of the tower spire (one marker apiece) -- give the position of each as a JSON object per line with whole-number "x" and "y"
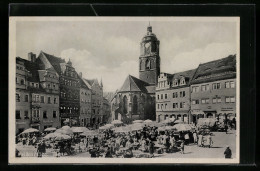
{"x": 101, "y": 83}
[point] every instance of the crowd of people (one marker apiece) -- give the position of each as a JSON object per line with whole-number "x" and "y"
{"x": 111, "y": 144}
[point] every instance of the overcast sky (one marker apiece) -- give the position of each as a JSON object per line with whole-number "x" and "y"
{"x": 110, "y": 49}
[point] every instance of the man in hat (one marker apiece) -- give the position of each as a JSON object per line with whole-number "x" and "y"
{"x": 228, "y": 153}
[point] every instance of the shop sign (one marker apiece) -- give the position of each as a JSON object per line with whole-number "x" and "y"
{"x": 227, "y": 109}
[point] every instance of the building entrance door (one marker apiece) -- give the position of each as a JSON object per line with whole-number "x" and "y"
{"x": 209, "y": 115}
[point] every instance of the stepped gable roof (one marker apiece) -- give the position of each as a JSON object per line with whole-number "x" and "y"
{"x": 186, "y": 74}
{"x": 224, "y": 68}
{"x": 133, "y": 84}
{"x": 55, "y": 61}
{"x": 32, "y": 67}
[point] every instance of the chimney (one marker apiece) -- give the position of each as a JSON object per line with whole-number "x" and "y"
{"x": 80, "y": 74}
{"x": 31, "y": 57}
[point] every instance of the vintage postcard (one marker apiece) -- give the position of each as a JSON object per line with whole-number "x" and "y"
{"x": 124, "y": 90}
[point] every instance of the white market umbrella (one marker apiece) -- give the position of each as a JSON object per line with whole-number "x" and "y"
{"x": 116, "y": 122}
{"x": 178, "y": 121}
{"x": 64, "y": 131}
{"x": 30, "y": 130}
{"x": 138, "y": 121}
{"x": 52, "y": 135}
{"x": 109, "y": 125}
{"x": 103, "y": 128}
{"x": 88, "y": 133}
{"x": 65, "y": 127}
{"x": 78, "y": 129}
{"x": 50, "y": 129}
{"x": 62, "y": 137}
{"x": 148, "y": 121}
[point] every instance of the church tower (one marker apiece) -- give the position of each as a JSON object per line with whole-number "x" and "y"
{"x": 149, "y": 60}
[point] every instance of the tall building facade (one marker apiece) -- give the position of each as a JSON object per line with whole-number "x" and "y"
{"x": 37, "y": 96}
{"x": 136, "y": 98}
{"x": 85, "y": 103}
{"x": 69, "y": 87}
{"x": 173, "y": 96}
{"x": 96, "y": 102}
{"x": 209, "y": 91}
{"x": 213, "y": 90}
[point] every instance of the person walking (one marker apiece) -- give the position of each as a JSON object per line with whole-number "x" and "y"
{"x": 187, "y": 138}
{"x": 182, "y": 147}
{"x": 41, "y": 149}
{"x": 226, "y": 128}
{"x": 195, "y": 137}
{"x": 200, "y": 140}
{"x": 228, "y": 153}
{"x": 151, "y": 148}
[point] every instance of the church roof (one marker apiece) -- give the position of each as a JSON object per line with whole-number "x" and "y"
{"x": 134, "y": 84}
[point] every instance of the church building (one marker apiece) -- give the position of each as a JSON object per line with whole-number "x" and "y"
{"x": 136, "y": 98}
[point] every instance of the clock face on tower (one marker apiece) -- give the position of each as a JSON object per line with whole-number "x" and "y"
{"x": 147, "y": 47}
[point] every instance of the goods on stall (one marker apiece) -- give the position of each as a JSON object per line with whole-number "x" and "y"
{"x": 182, "y": 127}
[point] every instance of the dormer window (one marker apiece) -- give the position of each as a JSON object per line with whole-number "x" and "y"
{"x": 182, "y": 81}
{"x": 175, "y": 82}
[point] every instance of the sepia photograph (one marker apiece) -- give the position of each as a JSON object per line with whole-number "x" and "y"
{"x": 124, "y": 90}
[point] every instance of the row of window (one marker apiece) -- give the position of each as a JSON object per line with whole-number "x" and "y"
{"x": 69, "y": 109}
{"x": 174, "y": 95}
{"x": 35, "y": 114}
{"x": 85, "y": 101}
{"x": 49, "y": 86}
{"x": 87, "y": 94}
{"x": 174, "y": 105}
{"x": 18, "y": 98}
{"x": 228, "y": 99}
{"x": 19, "y": 68}
{"x": 175, "y": 83}
{"x": 215, "y": 86}
{"x": 69, "y": 95}
{"x": 22, "y": 82}
{"x": 36, "y": 98}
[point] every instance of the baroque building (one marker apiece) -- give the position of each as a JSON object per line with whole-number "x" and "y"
{"x": 173, "y": 96}
{"x": 136, "y": 98}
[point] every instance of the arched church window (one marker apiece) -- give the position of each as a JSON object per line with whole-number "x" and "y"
{"x": 125, "y": 105}
{"x": 135, "y": 103}
{"x": 147, "y": 64}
